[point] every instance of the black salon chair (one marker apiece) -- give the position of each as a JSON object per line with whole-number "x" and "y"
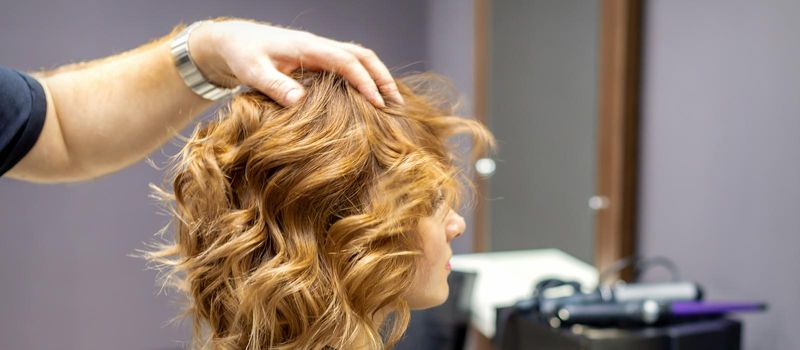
{"x": 443, "y": 327}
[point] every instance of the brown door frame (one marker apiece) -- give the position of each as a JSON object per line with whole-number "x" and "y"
{"x": 617, "y": 127}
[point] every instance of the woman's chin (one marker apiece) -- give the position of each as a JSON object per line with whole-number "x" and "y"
{"x": 431, "y": 299}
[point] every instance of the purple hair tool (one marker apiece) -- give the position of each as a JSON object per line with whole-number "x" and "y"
{"x": 704, "y": 308}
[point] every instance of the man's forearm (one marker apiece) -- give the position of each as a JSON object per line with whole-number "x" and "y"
{"x": 111, "y": 113}
{"x": 114, "y": 113}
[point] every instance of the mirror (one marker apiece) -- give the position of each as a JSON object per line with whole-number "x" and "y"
{"x": 542, "y": 106}
{"x": 558, "y": 83}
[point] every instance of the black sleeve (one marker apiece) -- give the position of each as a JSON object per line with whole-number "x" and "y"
{"x": 23, "y": 107}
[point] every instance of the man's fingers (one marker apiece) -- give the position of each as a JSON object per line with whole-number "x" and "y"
{"x": 377, "y": 70}
{"x": 336, "y": 59}
{"x": 275, "y": 84}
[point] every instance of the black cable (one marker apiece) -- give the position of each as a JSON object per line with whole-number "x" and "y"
{"x": 645, "y": 264}
{"x": 640, "y": 266}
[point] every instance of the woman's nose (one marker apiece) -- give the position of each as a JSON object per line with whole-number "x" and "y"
{"x": 455, "y": 225}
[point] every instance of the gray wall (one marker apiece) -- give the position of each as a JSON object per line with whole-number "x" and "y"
{"x": 66, "y": 279}
{"x": 720, "y": 171}
{"x": 543, "y": 82}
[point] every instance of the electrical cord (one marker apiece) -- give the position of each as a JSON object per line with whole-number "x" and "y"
{"x": 640, "y": 266}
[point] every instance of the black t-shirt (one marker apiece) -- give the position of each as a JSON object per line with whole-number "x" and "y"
{"x": 22, "y": 110}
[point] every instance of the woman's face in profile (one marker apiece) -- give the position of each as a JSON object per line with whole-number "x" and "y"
{"x": 436, "y": 231}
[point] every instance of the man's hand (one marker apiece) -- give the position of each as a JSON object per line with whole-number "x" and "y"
{"x": 237, "y": 52}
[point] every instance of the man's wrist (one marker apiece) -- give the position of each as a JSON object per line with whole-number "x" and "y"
{"x": 204, "y": 44}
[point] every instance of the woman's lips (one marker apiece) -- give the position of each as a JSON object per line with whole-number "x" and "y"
{"x": 447, "y": 267}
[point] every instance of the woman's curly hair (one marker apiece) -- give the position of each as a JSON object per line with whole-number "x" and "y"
{"x": 296, "y": 227}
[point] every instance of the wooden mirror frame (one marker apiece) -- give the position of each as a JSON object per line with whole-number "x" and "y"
{"x": 619, "y": 72}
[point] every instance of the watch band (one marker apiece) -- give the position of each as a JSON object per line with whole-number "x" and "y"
{"x": 191, "y": 75}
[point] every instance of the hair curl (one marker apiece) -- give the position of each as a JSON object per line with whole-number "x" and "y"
{"x": 296, "y": 227}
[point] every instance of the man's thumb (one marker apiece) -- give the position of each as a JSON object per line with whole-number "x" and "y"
{"x": 280, "y": 87}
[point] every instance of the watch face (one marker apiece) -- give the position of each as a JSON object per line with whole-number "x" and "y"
{"x": 190, "y": 73}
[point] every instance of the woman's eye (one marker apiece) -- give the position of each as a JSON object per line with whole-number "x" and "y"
{"x": 437, "y": 203}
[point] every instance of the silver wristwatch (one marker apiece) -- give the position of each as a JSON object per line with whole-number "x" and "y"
{"x": 192, "y": 76}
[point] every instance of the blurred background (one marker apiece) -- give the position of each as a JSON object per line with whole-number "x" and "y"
{"x": 715, "y": 177}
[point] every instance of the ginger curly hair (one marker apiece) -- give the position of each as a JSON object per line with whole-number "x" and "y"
{"x": 295, "y": 227}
